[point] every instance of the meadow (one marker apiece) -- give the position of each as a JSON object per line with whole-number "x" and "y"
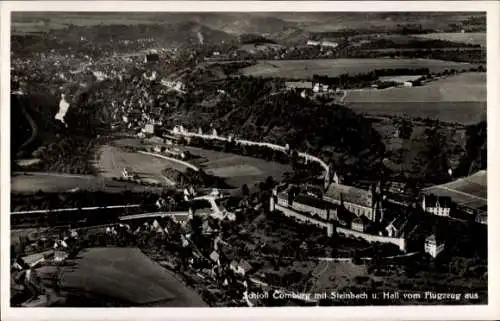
{"x": 305, "y": 69}
{"x": 460, "y": 98}
{"x": 473, "y": 38}
{"x": 237, "y": 169}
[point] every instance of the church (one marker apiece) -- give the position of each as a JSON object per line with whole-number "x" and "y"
{"x": 358, "y": 201}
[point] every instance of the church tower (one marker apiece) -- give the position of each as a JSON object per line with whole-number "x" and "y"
{"x": 377, "y": 202}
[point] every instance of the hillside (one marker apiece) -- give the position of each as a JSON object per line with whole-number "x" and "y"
{"x": 329, "y": 130}
{"x": 283, "y": 27}
{"x": 32, "y": 122}
{"x": 476, "y": 150}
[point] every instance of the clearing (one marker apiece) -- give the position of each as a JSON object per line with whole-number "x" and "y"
{"x": 304, "y": 69}
{"x": 236, "y": 169}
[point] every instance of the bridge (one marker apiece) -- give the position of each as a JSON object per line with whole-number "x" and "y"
{"x": 73, "y": 209}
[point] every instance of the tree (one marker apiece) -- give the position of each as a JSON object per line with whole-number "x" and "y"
{"x": 432, "y": 164}
{"x": 245, "y": 191}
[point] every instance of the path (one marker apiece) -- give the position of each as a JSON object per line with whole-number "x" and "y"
{"x": 34, "y": 128}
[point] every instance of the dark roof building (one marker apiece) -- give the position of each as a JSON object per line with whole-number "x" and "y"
{"x": 152, "y": 57}
{"x": 349, "y": 194}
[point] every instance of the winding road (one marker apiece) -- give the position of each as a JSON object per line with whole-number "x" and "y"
{"x": 34, "y": 128}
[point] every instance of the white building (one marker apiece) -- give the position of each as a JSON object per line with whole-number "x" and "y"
{"x": 149, "y": 129}
{"x": 329, "y": 44}
{"x": 313, "y": 43}
{"x": 321, "y": 215}
{"x": 437, "y": 205}
{"x": 433, "y": 246}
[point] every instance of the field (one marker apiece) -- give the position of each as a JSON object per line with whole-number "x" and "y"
{"x": 460, "y": 98}
{"x": 237, "y": 170}
{"x": 303, "y": 69}
{"x": 469, "y": 191}
{"x": 460, "y": 88}
{"x": 399, "y": 79}
{"x": 127, "y": 275}
{"x": 473, "y": 38}
{"x": 461, "y": 112}
{"x": 112, "y": 160}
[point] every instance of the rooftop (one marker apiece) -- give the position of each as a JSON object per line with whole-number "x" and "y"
{"x": 313, "y": 201}
{"x": 349, "y": 194}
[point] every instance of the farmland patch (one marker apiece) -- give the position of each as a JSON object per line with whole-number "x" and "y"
{"x": 235, "y": 170}
{"x": 473, "y": 38}
{"x": 303, "y": 69}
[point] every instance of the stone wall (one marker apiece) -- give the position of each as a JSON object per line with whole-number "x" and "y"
{"x": 400, "y": 242}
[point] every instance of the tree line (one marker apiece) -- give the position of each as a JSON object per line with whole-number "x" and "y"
{"x": 349, "y": 80}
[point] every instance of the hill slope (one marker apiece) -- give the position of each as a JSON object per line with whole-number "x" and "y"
{"x": 256, "y": 109}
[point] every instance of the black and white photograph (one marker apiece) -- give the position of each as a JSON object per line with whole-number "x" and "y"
{"x": 247, "y": 159}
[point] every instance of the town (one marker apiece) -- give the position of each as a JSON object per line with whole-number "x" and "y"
{"x": 195, "y": 168}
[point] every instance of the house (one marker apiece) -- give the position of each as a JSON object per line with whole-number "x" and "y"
{"x": 360, "y": 224}
{"x": 214, "y": 256}
{"x": 396, "y": 226}
{"x": 437, "y": 205}
{"x": 356, "y": 200}
{"x": 242, "y": 267}
{"x": 313, "y": 43}
{"x": 206, "y": 228}
{"x": 433, "y": 246}
{"x": 149, "y": 129}
{"x": 329, "y": 44}
{"x": 156, "y": 227}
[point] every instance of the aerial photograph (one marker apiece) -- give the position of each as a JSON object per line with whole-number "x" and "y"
{"x": 248, "y": 159}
